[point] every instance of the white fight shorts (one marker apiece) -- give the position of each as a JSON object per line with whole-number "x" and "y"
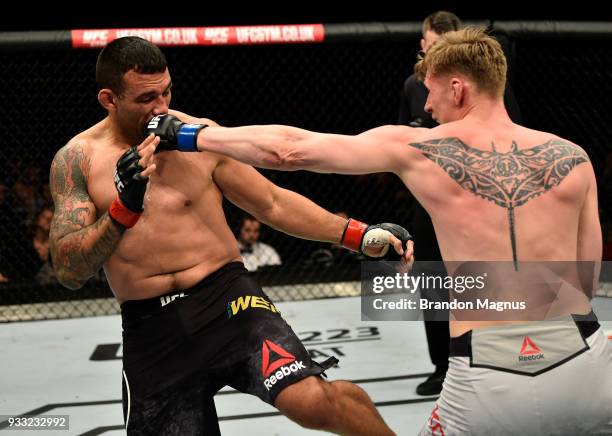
{"x": 542, "y": 378}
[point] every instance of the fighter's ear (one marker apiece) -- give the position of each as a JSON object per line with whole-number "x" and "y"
{"x": 107, "y": 99}
{"x": 458, "y": 87}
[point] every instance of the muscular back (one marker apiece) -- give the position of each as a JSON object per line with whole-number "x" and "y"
{"x": 508, "y": 194}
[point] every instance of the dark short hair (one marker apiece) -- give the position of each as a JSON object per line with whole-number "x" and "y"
{"x": 247, "y": 217}
{"x": 441, "y": 22}
{"x": 123, "y": 55}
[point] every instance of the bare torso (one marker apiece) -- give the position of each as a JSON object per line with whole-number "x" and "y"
{"x": 182, "y": 235}
{"x": 479, "y": 211}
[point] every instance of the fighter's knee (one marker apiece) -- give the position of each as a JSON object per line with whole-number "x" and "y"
{"x": 310, "y": 403}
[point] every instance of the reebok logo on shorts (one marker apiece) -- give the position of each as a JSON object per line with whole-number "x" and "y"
{"x": 275, "y": 358}
{"x": 529, "y": 351}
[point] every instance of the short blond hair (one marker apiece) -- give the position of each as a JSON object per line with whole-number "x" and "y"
{"x": 469, "y": 51}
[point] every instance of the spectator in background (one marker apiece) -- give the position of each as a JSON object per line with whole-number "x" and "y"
{"x": 18, "y": 258}
{"x": 25, "y": 202}
{"x": 412, "y": 113}
{"x": 40, "y": 242}
{"x": 255, "y": 254}
{"x": 40, "y": 237}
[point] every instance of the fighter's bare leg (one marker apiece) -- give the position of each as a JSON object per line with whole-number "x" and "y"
{"x": 340, "y": 407}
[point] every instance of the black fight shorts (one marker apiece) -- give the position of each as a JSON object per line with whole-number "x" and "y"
{"x": 179, "y": 349}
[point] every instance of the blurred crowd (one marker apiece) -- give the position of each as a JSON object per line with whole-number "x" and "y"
{"x": 26, "y": 210}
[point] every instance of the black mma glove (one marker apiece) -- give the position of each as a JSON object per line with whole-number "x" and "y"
{"x": 128, "y": 206}
{"x": 173, "y": 133}
{"x": 358, "y": 235}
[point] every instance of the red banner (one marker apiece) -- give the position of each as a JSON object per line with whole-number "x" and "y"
{"x": 186, "y": 36}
